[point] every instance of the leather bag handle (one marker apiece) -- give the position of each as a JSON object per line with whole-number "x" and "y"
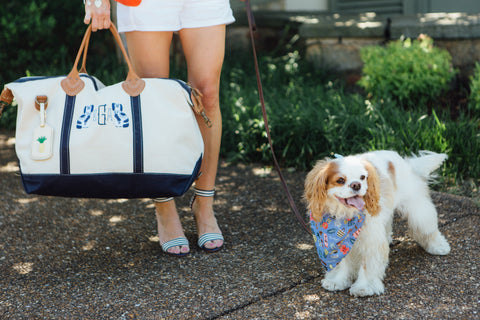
{"x": 72, "y": 84}
{"x": 83, "y": 68}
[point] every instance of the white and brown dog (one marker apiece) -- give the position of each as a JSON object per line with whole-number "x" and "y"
{"x": 369, "y": 187}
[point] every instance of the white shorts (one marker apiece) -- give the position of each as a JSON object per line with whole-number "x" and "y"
{"x": 173, "y": 15}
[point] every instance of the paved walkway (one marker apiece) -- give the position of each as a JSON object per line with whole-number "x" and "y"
{"x": 94, "y": 259}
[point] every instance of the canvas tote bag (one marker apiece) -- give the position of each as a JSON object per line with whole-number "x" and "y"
{"x": 76, "y": 137}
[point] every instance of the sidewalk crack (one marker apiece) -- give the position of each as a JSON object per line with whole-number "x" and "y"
{"x": 265, "y": 296}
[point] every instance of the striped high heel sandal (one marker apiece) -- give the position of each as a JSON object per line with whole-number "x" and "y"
{"x": 177, "y": 242}
{"x": 206, "y": 237}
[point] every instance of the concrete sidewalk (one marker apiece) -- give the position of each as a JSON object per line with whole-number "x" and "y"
{"x": 100, "y": 259}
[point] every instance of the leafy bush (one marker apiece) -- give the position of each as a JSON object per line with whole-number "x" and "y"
{"x": 409, "y": 72}
{"x": 311, "y": 117}
{"x": 474, "y": 101}
{"x": 37, "y": 35}
{"x": 42, "y": 38}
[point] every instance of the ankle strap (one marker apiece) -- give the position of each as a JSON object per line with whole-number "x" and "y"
{"x": 163, "y": 199}
{"x": 204, "y": 193}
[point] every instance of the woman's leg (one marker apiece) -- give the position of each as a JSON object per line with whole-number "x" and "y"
{"x": 204, "y": 50}
{"x": 149, "y": 52}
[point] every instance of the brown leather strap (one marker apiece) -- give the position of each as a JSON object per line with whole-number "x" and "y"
{"x": 72, "y": 84}
{"x": 83, "y": 68}
{"x": 6, "y": 98}
{"x": 39, "y": 100}
{"x": 252, "y": 27}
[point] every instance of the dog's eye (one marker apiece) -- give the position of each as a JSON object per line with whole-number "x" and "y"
{"x": 362, "y": 177}
{"x": 341, "y": 181}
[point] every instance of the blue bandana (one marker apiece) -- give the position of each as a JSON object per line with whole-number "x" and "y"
{"x": 334, "y": 238}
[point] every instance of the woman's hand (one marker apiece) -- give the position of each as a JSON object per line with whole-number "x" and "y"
{"x": 98, "y": 12}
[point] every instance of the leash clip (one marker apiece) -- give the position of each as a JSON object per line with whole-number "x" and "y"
{"x": 207, "y": 121}
{"x": 197, "y": 105}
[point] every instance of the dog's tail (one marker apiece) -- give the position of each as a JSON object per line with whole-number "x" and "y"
{"x": 426, "y": 162}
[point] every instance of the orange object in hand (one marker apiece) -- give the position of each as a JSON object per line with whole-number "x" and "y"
{"x": 130, "y": 3}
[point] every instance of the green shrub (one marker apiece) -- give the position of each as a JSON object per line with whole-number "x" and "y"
{"x": 474, "y": 99}
{"x": 42, "y": 38}
{"x": 409, "y": 72}
{"x": 38, "y": 35}
{"x": 311, "y": 117}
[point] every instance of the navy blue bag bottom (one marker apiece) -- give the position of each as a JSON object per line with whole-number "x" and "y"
{"x": 110, "y": 185}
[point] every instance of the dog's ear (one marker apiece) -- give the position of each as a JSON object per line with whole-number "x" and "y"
{"x": 372, "y": 197}
{"x": 316, "y": 188}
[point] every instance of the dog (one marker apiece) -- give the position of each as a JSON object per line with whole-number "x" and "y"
{"x": 361, "y": 193}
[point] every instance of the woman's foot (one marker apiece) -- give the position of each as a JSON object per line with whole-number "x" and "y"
{"x": 210, "y": 236}
{"x": 170, "y": 231}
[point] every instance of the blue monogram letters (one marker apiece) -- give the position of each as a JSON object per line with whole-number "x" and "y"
{"x": 101, "y": 115}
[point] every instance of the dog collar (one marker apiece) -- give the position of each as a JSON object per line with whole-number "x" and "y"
{"x": 334, "y": 238}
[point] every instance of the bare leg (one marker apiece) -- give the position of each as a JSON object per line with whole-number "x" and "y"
{"x": 204, "y": 49}
{"x": 149, "y": 52}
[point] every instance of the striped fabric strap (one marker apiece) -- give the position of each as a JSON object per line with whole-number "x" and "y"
{"x": 174, "y": 243}
{"x": 163, "y": 199}
{"x": 209, "y": 237}
{"x": 204, "y": 193}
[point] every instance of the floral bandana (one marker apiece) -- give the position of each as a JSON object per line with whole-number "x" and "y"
{"x": 334, "y": 238}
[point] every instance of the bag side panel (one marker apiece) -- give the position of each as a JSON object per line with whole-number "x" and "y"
{"x": 25, "y": 90}
{"x": 177, "y": 142}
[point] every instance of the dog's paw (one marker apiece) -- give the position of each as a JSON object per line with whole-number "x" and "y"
{"x": 335, "y": 285}
{"x": 366, "y": 289}
{"x": 438, "y": 246}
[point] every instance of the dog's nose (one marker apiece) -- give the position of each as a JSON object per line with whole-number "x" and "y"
{"x": 355, "y": 186}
